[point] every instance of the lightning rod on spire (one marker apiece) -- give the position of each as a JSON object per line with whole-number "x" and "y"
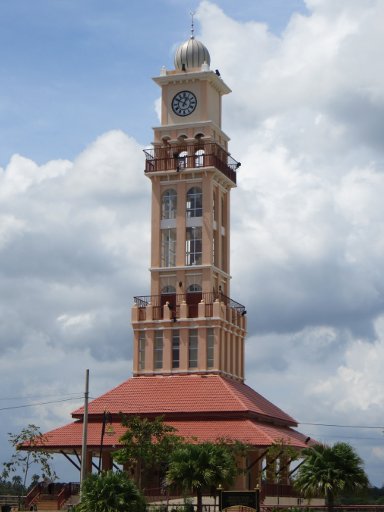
{"x": 192, "y": 25}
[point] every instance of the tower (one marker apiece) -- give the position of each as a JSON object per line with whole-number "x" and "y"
{"x": 188, "y": 364}
{"x": 189, "y": 323}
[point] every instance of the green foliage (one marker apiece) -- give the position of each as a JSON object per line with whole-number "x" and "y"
{"x": 9, "y": 487}
{"x": 281, "y": 448}
{"x": 330, "y": 471}
{"x": 146, "y": 443}
{"x": 31, "y": 438}
{"x": 199, "y": 467}
{"x": 110, "y": 492}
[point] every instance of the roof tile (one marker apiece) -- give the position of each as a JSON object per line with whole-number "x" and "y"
{"x": 185, "y": 394}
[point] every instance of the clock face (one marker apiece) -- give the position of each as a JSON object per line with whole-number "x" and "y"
{"x": 184, "y": 103}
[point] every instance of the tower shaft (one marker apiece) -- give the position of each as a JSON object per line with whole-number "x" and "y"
{"x": 189, "y": 324}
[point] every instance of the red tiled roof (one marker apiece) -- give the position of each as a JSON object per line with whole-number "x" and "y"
{"x": 183, "y": 395}
{"x": 245, "y": 430}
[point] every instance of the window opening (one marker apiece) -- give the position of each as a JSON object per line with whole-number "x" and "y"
{"x": 192, "y": 348}
{"x": 210, "y": 345}
{"x": 193, "y": 297}
{"x": 158, "y": 350}
{"x": 169, "y": 204}
{"x": 193, "y": 246}
{"x": 168, "y": 247}
{"x": 194, "y": 207}
{"x": 194, "y": 288}
{"x": 175, "y": 349}
{"x": 141, "y": 350}
{"x": 199, "y": 158}
{"x": 168, "y": 289}
{"x": 182, "y": 160}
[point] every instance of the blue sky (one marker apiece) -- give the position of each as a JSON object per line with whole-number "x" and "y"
{"x": 74, "y": 69}
{"x": 305, "y": 118}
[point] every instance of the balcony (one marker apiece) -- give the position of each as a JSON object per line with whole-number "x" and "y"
{"x": 189, "y": 305}
{"x": 190, "y": 156}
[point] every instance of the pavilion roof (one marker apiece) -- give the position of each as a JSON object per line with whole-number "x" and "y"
{"x": 182, "y": 396}
{"x": 69, "y": 437}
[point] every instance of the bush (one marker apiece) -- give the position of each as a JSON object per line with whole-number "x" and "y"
{"x": 110, "y": 492}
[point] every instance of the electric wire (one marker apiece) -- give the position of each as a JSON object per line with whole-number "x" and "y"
{"x": 77, "y": 396}
{"x": 34, "y": 404}
{"x": 335, "y": 425}
{"x": 24, "y": 397}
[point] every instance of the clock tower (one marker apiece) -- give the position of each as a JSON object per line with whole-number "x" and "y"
{"x": 188, "y": 323}
{"x": 188, "y": 364}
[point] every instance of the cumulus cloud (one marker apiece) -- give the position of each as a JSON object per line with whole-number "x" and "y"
{"x": 71, "y": 253}
{"x": 305, "y": 118}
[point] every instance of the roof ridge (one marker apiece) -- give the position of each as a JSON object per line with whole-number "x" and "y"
{"x": 231, "y": 390}
{"x": 81, "y": 408}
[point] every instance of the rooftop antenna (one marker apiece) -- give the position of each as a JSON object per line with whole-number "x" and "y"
{"x": 192, "y": 25}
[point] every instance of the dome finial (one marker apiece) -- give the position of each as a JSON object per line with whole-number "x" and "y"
{"x": 192, "y": 25}
{"x": 191, "y": 54}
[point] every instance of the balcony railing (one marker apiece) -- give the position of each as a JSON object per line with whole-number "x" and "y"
{"x": 190, "y": 156}
{"x": 193, "y": 300}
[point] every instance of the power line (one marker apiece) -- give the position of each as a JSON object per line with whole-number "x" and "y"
{"x": 352, "y": 437}
{"x": 342, "y": 426}
{"x": 38, "y": 403}
{"x": 77, "y": 397}
{"x": 24, "y": 397}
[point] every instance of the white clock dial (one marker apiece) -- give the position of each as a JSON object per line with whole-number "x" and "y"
{"x": 184, "y": 103}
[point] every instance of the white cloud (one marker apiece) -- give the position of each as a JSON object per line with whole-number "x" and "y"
{"x": 306, "y": 118}
{"x": 357, "y": 384}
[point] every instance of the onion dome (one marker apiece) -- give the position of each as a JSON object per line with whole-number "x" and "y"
{"x": 191, "y": 54}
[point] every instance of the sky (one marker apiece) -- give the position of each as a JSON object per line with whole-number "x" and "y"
{"x": 306, "y": 120}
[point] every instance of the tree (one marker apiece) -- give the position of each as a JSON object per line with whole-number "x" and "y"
{"x": 110, "y": 492}
{"x": 32, "y": 441}
{"x": 199, "y": 467}
{"x": 146, "y": 444}
{"x": 329, "y": 471}
{"x": 34, "y": 481}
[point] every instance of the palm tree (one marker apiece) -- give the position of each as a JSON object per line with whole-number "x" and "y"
{"x": 110, "y": 492}
{"x": 199, "y": 467}
{"x": 330, "y": 470}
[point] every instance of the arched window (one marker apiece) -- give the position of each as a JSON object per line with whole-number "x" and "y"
{"x": 168, "y": 296}
{"x": 199, "y": 158}
{"x": 194, "y": 202}
{"x": 193, "y": 297}
{"x": 182, "y": 160}
{"x": 168, "y": 289}
{"x": 193, "y": 288}
{"x": 169, "y": 204}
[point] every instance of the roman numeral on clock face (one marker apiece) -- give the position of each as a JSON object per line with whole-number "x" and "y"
{"x": 184, "y": 103}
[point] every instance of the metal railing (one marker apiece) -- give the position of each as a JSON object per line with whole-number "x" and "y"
{"x": 192, "y": 299}
{"x": 191, "y": 156}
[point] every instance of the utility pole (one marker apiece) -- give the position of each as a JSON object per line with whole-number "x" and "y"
{"x": 85, "y": 432}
